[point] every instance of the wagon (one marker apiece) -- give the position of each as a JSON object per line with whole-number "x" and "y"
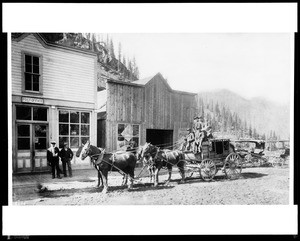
{"x": 278, "y": 152}
{"x": 216, "y": 154}
{"x": 251, "y": 152}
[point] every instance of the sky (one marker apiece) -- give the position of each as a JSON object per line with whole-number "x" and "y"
{"x": 249, "y": 64}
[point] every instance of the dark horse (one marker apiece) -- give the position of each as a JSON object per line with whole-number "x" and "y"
{"x": 123, "y": 162}
{"x": 164, "y": 158}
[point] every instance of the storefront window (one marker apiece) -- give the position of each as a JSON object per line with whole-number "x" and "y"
{"x": 128, "y": 136}
{"x": 39, "y": 114}
{"x": 23, "y": 112}
{"x": 74, "y": 128}
{"x": 31, "y": 113}
{"x": 23, "y": 137}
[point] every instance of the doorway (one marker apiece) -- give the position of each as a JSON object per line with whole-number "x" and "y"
{"x": 161, "y": 138}
{"x": 31, "y": 147}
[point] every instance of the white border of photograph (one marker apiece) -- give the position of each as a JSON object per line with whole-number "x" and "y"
{"x": 150, "y": 18}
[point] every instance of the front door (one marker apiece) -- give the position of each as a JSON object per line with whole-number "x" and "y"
{"x": 32, "y": 147}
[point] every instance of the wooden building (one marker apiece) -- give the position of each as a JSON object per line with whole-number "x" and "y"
{"x": 54, "y": 95}
{"x": 143, "y": 110}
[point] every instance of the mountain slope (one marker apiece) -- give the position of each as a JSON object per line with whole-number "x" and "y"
{"x": 258, "y": 112}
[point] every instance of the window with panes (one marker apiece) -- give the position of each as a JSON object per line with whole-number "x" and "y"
{"x": 128, "y": 136}
{"x": 74, "y": 127}
{"x": 31, "y": 114}
{"x": 32, "y": 73}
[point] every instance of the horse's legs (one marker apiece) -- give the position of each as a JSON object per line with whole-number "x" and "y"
{"x": 180, "y": 166}
{"x": 169, "y": 166}
{"x": 131, "y": 177}
{"x": 99, "y": 177}
{"x": 156, "y": 171}
{"x": 150, "y": 173}
{"x": 104, "y": 176}
{"x": 125, "y": 177}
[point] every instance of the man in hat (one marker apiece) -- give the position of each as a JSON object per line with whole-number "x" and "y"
{"x": 53, "y": 159}
{"x": 190, "y": 138}
{"x": 195, "y": 121}
{"x": 66, "y": 156}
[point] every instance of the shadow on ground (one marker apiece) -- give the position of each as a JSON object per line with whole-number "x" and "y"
{"x": 250, "y": 175}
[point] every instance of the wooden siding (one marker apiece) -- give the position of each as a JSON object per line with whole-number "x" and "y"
{"x": 124, "y": 103}
{"x": 66, "y": 75}
{"x": 154, "y": 106}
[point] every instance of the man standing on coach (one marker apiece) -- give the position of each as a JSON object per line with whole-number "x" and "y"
{"x": 66, "y": 156}
{"x": 53, "y": 159}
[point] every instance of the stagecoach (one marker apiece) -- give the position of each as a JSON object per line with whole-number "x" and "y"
{"x": 216, "y": 154}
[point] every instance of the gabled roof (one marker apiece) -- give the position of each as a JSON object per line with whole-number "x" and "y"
{"x": 147, "y": 80}
{"x": 46, "y": 44}
{"x": 159, "y": 75}
{"x": 143, "y": 81}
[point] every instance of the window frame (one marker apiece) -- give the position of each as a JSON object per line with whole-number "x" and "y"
{"x": 31, "y": 114}
{"x": 126, "y": 123}
{"x": 23, "y": 63}
{"x": 69, "y": 123}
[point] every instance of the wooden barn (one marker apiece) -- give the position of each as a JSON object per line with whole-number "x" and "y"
{"x": 146, "y": 110}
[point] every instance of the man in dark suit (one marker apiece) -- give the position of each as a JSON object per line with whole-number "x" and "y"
{"x": 53, "y": 159}
{"x": 66, "y": 156}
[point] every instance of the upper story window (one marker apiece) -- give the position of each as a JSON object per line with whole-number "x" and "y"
{"x": 32, "y": 73}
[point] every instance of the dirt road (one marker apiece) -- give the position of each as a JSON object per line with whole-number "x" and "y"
{"x": 261, "y": 186}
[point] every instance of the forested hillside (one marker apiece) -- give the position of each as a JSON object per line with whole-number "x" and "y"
{"x": 234, "y": 116}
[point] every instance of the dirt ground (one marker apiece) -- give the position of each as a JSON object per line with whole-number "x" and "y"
{"x": 260, "y": 186}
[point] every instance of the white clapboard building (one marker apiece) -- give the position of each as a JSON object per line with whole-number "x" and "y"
{"x": 54, "y": 91}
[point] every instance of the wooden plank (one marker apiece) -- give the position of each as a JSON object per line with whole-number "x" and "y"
{"x": 132, "y": 107}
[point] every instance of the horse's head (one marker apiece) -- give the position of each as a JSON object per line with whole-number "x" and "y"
{"x": 85, "y": 151}
{"x": 139, "y": 152}
{"x": 145, "y": 149}
{"x": 149, "y": 150}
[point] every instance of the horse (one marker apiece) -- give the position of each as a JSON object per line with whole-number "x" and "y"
{"x": 147, "y": 162}
{"x": 122, "y": 162}
{"x": 93, "y": 160}
{"x": 164, "y": 158}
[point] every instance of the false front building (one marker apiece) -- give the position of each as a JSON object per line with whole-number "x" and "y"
{"x": 54, "y": 91}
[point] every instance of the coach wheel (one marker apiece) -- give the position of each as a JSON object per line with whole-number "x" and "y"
{"x": 207, "y": 169}
{"x": 232, "y": 166}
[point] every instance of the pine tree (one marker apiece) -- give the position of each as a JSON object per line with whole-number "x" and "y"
{"x": 119, "y": 55}
{"x": 111, "y": 49}
{"x": 129, "y": 69}
{"x": 107, "y": 42}
{"x": 217, "y": 109}
{"x": 135, "y": 69}
{"x": 254, "y": 133}
{"x": 124, "y": 60}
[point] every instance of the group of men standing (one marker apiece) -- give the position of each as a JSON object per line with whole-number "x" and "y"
{"x": 196, "y": 135}
{"x": 53, "y": 155}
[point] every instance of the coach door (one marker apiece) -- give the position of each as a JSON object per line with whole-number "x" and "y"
{"x": 31, "y": 147}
